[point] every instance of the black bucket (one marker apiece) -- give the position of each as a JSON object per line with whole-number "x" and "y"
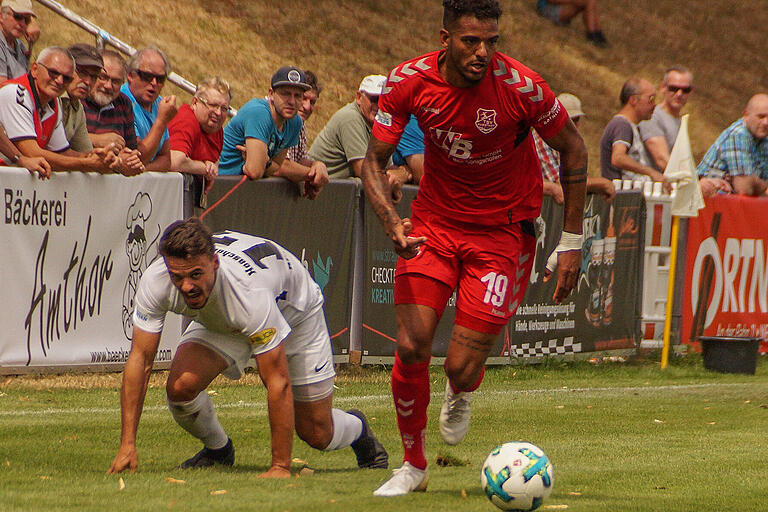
{"x": 730, "y": 355}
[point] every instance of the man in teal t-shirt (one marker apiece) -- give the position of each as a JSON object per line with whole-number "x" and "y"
{"x": 266, "y": 128}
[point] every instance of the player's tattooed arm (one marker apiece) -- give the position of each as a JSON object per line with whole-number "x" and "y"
{"x": 379, "y": 194}
{"x": 573, "y": 174}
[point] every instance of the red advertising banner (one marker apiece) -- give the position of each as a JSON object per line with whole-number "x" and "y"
{"x": 726, "y": 270}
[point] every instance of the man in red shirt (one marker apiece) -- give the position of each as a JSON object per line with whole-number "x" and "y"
{"x": 472, "y": 221}
{"x": 196, "y": 134}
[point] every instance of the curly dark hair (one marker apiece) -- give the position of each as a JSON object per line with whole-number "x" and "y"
{"x": 480, "y": 9}
{"x": 185, "y": 239}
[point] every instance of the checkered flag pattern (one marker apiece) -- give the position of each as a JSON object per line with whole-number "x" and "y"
{"x": 546, "y": 348}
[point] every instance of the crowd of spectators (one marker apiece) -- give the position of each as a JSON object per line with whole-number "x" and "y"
{"x": 83, "y": 109}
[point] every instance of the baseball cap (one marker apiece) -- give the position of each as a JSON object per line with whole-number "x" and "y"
{"x": 289, "y": 75}
{"x": 572, "y": 104}
{"x": 86, "y": 55}
{"x": 20, "y": 6}
{"x": 373, "y": 84}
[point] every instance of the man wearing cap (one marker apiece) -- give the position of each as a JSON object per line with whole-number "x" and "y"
{"x": 88, "y": 64}
{"x": 17, "y": 22}
{"x": 342, "y": 143}
{"x": 549, "y": 158}
{"x": 31, "y": 116}
{"x": 266, "y": 128}
{"x": 148, "y": 69}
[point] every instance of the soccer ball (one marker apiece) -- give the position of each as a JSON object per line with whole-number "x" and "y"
{"x": 517, "y": 476}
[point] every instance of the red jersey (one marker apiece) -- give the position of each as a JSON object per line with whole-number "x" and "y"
{"x": 480, "y": 165}
{"x": 186, "y": 135}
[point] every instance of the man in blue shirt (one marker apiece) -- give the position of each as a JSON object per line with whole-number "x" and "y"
{"x": 739, "y": 156}
{"x": 410, "y": 151}
{"x": 148, "y": 69}
{"x": 266, "y": 128}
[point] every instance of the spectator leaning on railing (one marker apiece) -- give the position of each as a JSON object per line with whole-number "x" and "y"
{"x": 109, "y": 112}
{"x": 17, "y": 22}
{"x": 257, "y": 139}
{"x": 148, "y": 69}
{"x": 739, "y": 156}
{"x": 196, "y": 134}
{"x": 30, "y": 113}
{"x": 298, "y": 153}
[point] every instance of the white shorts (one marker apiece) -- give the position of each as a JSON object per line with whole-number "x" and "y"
{"x": 307, "y": 347}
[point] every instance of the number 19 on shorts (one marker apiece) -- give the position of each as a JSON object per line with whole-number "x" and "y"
{"x": 496, "y": 288}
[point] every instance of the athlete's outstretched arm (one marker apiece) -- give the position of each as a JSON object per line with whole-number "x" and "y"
{"x": 273, "y": 369}
{"x": 573, "y": 178}
{"x": 379, "y": 194}
{"x": 135, "y": 380}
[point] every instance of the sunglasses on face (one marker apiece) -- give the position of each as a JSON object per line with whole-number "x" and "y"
{"x": 54, "y": 75}
{"x": 674, "y": 88}
{"x": 27, "y": 18}
{"x": 146, "y": 76}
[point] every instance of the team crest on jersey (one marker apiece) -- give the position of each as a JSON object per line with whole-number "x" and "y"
{"x": 383, "y": 118}
{"x": 263, "y": 337}
{"x": 486, "y": 120}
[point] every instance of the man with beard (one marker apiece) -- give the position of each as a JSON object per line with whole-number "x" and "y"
{"x": 30, "y": 112}
{"x": 246, "y": 296}
{"x": 109, "y": 112}
{"x": 472, "y": 221}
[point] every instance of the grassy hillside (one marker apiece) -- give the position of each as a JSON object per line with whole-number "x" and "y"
{"x": 244, "y": 41}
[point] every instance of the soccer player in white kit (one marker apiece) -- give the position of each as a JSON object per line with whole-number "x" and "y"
{"x": 246, "y": 296}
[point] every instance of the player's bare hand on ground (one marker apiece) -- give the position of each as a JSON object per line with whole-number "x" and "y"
{"x": 276, "y": 472}
{"x": 568, "y": 266}
{"x": 405, "y": 246}
{"x": 126, "y": 458}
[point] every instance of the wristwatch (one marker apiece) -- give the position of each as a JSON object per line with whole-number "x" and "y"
{"x": 15, "y": 158}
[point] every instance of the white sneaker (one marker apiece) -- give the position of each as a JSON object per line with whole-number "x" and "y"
{"x": 404, "y": 480}
{"x": 454, "y": 415}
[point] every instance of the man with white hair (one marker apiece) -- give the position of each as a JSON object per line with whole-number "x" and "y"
{"x": 196, "y": 134}
{"x": 148, "y": 70}
{"x": 31, "y": 115}
{"x": 109, "y": 112}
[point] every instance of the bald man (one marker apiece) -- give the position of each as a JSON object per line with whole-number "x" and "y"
{"x": 738, "y": 160}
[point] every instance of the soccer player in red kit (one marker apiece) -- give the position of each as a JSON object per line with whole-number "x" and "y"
{"x": 471, "y": 224}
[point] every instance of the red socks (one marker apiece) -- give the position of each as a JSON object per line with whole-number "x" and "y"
{"x": 410, "y": 390}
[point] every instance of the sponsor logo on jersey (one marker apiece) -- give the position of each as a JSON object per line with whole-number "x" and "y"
{"x": 452, "y": 143}
{"x": 430, "y": 109}
{"x": 548, "y": 116}
{"x": 486, "y": 120}
{"x": 383, "y": 118}
{"x": 263, "y": 337}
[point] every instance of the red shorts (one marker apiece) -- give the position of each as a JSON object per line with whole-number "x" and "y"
{"x": 490, "y": 265}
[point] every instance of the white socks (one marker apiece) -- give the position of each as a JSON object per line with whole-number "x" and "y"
{"x": 346, "y": 429}
{"x": 199, "y": 419}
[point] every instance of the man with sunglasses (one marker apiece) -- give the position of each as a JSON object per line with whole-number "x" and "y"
{"x": 30, "y": 112}
{"x": 196, "y": 133}
{"x": 660, "y": 131}
{"x": 17, "y": 24}
{"x": 148, "y": 69}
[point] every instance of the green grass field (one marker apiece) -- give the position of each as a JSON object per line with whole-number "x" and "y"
{"x": 621, "y": 437}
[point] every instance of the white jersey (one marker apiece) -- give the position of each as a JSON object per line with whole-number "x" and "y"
{"x": 261, "y": 291}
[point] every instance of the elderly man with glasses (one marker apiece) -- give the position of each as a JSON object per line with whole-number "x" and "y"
{"x": 148, "y": 69}
{"x": 196, "y": 133}
{"x": 17, "y": 22}
{"x": 30, "y": 112}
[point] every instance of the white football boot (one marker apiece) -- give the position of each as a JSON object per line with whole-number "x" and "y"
{"x": 454, "y": 415}
{"x": 404, "y": 479}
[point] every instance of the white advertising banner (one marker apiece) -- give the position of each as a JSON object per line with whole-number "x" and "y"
{"x": 73, "y": 250}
